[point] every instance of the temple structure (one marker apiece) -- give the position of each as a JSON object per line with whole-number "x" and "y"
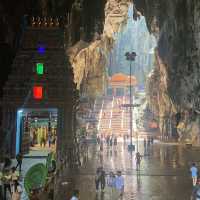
{"x": 40, "y": 89}
{"x": 119, "y": 84}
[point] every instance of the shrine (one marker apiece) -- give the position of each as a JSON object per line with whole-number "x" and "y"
{"x": 119, "y": 84}
{"x": 40, "y": 97}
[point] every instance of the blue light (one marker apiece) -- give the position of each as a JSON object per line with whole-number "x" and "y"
{"x": 41, "y": 49}
{"x": 18, "y": 135}
{"x": 20, "y": 111}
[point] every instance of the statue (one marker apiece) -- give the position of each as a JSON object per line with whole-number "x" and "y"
{"x": 51, "y": 22}
{"x": 33, "y": 23}
{"x": 56, "y": 22}
{"x": 44, "y": 22}
{"x": 38, "y": 21}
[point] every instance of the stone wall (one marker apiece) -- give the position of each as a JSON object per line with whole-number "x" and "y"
{"x": 176, "y": 26}
{"x": 88, "y": 56}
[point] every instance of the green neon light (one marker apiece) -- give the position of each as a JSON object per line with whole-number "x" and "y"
{"x": 40, "y": 69}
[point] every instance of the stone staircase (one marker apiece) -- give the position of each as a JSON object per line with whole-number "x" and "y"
{"x": 112, "y": 118}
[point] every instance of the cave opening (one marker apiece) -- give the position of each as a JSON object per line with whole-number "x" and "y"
{"x": 113, "y": 98}
{"x": 113, "y": 80}
{"x": 134, "y": 36}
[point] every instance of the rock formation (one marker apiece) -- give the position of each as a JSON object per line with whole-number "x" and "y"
{"x": 176, "y": 26}
{"x": 89, "y": 59}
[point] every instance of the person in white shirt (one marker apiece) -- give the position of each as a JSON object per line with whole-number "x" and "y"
{"x": 111, "y": 184}
{"x": 75, "y": 195}
{"x": 119, "y": 184}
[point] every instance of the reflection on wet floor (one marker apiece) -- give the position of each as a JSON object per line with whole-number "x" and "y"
{"x": 164, "y": 172}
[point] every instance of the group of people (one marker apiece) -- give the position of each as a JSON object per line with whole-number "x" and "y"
{"x": 41, "y": 136}
{"x": 109, "y": 139}
{"x": 114, "y": 183}
{"x": 9, "y": 183}
{"x": 148, "y": 141}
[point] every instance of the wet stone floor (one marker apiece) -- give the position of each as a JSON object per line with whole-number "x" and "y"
{"x": 164, "y": 172}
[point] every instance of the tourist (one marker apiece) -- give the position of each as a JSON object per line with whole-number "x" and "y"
{"x": 119, "y": 184}
{"x": 194, "y": 173}
{"x": 145, "y": 143}
{"x": 111, "y": 141}
{"x": 16, "y": 195}
{"x": 97, "y": 178}
{"x": 111, "y": 184}
{"x": 101, "y": 146}
{"x": 152, "y": 140}
{"x": 19, "y": 159}
{"x": 14, "y": 178}
{"x": 107, "y": 140}
{"x": 75, "y": 195}
{"x": 148, "y": 142}
{"x": 115, "y": 141}
{"x": 102, "y": 180}
{"x": 138, "y": 158}
{"x": 6, "y": 179}
{"x": 196, "y": 191}
{"x": 98, "y": 140}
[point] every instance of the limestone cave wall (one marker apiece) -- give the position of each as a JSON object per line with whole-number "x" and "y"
{"x": 176, "y": 75}
{"x": 89, "y": 55}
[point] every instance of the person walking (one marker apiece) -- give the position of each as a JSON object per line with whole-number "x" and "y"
{"x": 14, "y": 179}
{"x": 119, "y": 184}
{"x": 75, "y": 195}
{"x": 196, "y": 191}
{"x": 194, "y": 173}
{"x": 138, "y": 158}
{"x": 115, "y": 143}
{"x": 103, "y": 180}
{"x": 111, "y": 185}
{"x": 101, "y": 146}
{"x": 19, "y": 159}
{"x": 108, "y": 141}
{"x": 98, "y": 140}
{"x": 145, "y": 143}
{"x": 6, "y": 179}
{"x": 97, "y": 178}
{"x": 111, "y": 141}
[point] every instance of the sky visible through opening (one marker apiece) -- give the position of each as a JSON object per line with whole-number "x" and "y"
{"x": 134, "y": 37}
